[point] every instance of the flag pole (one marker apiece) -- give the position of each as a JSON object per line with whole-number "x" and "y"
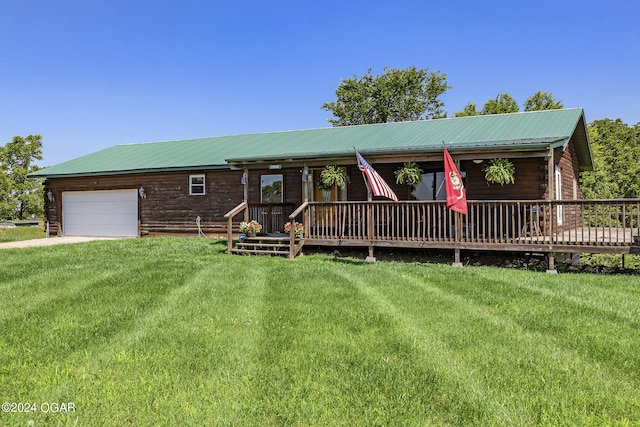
{"x": 366, "y": 181}
{"x": 457, "y": 222}
{"x": 371, "y": 258}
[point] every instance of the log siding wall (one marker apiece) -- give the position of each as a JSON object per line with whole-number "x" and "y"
{"x": 168, "y": 201}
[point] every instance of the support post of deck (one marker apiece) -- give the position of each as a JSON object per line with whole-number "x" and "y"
{"x": 458, "y": 236}
{"x": 552, "y": 263}
{"x": 456, "y": 258}
{"x": 371, "y": 258}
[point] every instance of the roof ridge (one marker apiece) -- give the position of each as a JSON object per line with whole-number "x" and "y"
{"x": 347, "y": 127}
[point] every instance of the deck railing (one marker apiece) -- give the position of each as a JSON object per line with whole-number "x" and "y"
{"x": 488, "y": 225}
{"x": 271, "y": 216}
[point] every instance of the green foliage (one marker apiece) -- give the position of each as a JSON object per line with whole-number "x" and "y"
{"x": 503, "y": 103}
{"x": 410, "y": 174}
{"x": 616, "y": 156}
{"x": 175, "y": 332}
{"x": 499, "y": 171}
{"x": 333, "y": 176}
{"x": 469, "y": 110}
{"x": 20, "y": 196}
{"x": 542, "y": 101}
{"x": 396, "y": 95}
{"x": 611, "y": 260}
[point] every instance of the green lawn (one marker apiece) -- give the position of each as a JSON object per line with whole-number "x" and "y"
{"x": 21, "y": 233}
{"x": 175, "y": 332}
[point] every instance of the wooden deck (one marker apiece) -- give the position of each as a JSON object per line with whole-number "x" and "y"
{"x": 593, "y": 226}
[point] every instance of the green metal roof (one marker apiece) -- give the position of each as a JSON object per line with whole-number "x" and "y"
{"x": 517, "y": 131}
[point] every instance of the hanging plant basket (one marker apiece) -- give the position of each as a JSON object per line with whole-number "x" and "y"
{"x": 332, "y": 176}
{"x": 410, "y": 174}
{"x": 499, "y": 171}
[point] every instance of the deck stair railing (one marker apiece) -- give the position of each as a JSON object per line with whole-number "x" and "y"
{"x": 272, "y": 218}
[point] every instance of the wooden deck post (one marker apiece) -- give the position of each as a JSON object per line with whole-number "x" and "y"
{"x": 456, "y": 258}
{"x": 371, "y": 257}
{"x": 552, "y": 263}
{"x": 458, "y": 238}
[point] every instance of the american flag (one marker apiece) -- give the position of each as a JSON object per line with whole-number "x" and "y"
{"x": 378, "y": 186}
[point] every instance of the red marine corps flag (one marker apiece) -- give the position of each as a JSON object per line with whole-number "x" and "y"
{"x": 456, "y": 195}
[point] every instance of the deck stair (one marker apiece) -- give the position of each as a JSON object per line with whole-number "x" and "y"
{"x": 266, "y": 245}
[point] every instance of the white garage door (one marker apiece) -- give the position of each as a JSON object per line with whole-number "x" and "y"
{"x": 100, "y": 213}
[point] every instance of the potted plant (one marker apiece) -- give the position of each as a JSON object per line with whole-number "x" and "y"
{"x": 250, "y": 228}
{"x": 499, "y": 171}
{"x": 410, "y": 174}
{"x": 298, "y": 229}
{"x": 332, "y": 176}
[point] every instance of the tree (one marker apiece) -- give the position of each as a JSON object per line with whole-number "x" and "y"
{"x": 503, "y": 103}
{"x": 616, "y": 156}
{"x": 20, "y": 196}
{"x": 469, "y": 110}
{"x": 397, "y": 95}
{"x": 542, "y": 101}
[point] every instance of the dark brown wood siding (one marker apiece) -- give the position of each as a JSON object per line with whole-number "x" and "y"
{"x": 570, "y": 171}
{"x": 168, "y": 199}
{"x": 530, "y": 181}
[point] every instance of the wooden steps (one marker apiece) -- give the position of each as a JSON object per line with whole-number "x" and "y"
{"x": 266, "y": 245}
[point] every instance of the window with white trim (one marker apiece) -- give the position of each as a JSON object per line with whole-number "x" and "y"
{"x": 196, "y": 185}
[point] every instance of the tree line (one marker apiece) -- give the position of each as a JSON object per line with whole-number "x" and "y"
{"x": 396, "y": 95}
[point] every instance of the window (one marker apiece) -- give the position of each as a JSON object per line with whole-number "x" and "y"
{"x": 271, "y": 189}
{"x": 431, "y": 187}
{"x": 196, "y": 185}
{"x": 558, "y": 176}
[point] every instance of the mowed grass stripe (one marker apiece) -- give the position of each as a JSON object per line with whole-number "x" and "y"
{"x": 330, "y": 355}
{"x": 176, "y": 332}
{"x": 592, "y": 321}
{"x": 78, "y": 314}
{"x": 190, "y": 355}
{"x": 524, "y": 374}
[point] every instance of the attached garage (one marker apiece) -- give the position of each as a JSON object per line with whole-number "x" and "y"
{"x": 112, "y": 213}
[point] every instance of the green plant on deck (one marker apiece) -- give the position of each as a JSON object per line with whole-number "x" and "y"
{"x": 499, "y": 171}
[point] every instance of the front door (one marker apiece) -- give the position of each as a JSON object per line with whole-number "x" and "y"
{"x": 318, "y": 195}
{"x": 326, "y": 218}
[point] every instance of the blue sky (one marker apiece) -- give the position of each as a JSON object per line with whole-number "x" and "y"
{"x": 87, "y": 75}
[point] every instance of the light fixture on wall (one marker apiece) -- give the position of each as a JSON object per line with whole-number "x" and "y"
{"x": 243, "y": 180}
{"x": 477, "y": 161}
{"x": 142, "y": 194}
{"x": 50, "y": 196}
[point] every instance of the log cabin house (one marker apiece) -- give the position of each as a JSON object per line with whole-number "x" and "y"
{"x": 209, "y": 185}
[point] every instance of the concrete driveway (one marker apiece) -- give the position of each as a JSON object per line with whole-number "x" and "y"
{"x": 52, "y": 241}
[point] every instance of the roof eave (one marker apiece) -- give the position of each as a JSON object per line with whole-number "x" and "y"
{"x": 452, "y": 147}
{"x": 127, "y": 171}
